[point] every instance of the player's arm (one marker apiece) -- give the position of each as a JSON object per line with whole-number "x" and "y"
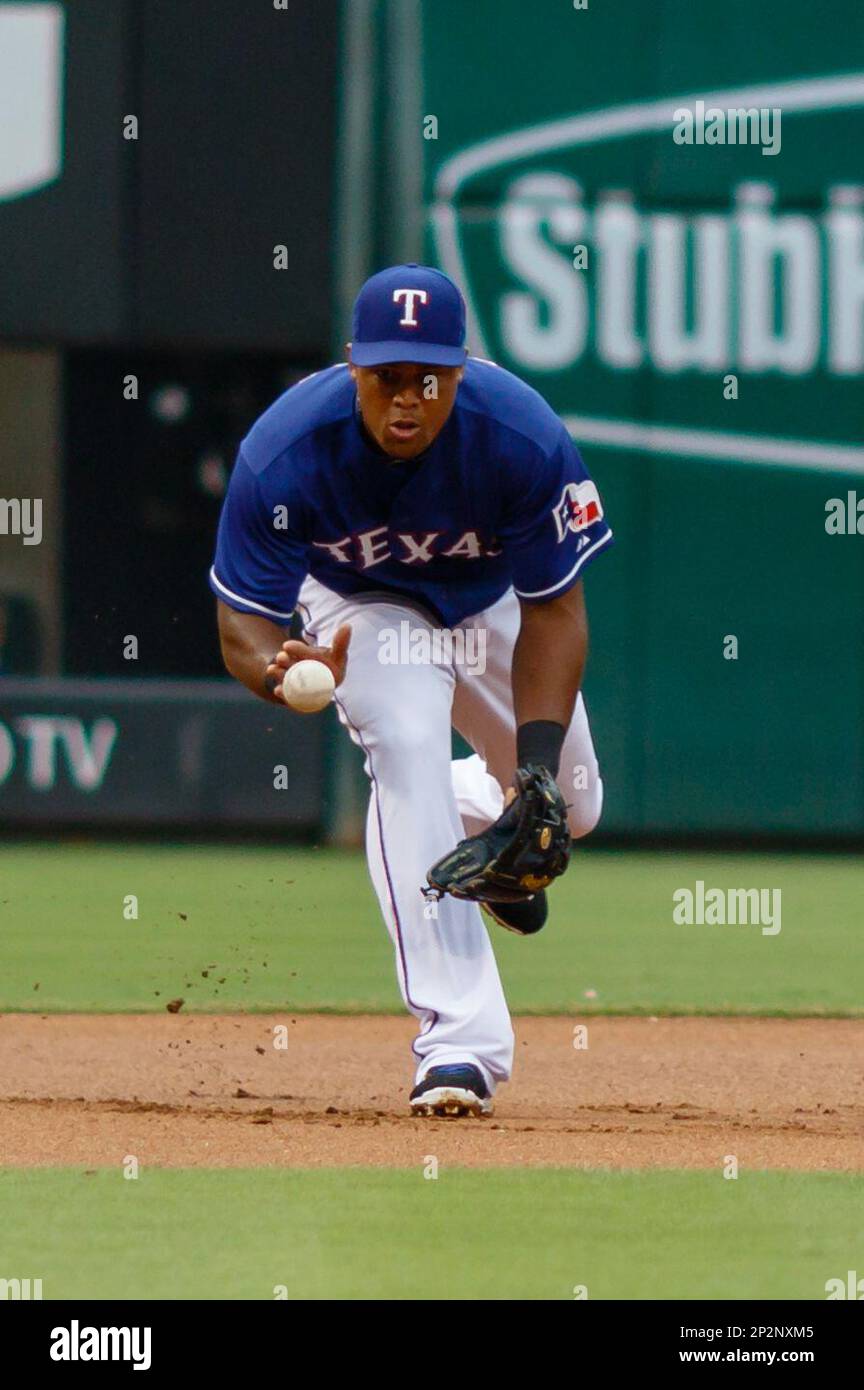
{"x": 548, "y": 663}
{"x": 249, "y": 645}
{"x": 260, "y": 566}
{"x": 257, "y": 652}
{"x": 549, "y": 658}
{"x": 553, "y": 525}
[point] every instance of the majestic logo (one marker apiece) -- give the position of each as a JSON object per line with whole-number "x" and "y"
{"x": 410, "y": 297}
{"x": 31, "y": 97}
{"x": 568, "y": 272}
{"x": 579, "y": 508}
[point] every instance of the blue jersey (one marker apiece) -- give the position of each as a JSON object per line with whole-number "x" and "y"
{"x": 500, "y": 498}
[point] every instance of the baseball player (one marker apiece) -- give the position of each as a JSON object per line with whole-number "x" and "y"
{"x": 429, "y": 517}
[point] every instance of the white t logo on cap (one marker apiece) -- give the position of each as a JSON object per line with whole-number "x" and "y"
{"x": 410, "y": 296}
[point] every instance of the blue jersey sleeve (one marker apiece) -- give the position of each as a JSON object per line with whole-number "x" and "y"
{"x": 261, "y": 557}
{"x": 554, "y": 523}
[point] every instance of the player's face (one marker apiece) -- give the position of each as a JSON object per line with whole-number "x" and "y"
{"x": 405, "y": 404}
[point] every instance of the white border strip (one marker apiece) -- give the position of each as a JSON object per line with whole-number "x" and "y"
{"x": 713, "y": 444}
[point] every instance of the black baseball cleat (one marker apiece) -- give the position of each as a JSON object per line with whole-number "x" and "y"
{"x": 451, "y": 1091}
{"x": 525, "y": 917}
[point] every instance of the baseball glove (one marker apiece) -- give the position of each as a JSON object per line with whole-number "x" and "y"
{"x": 520, "y": 853}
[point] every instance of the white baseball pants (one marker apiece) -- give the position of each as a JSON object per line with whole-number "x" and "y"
{"x": 399, "y": 708}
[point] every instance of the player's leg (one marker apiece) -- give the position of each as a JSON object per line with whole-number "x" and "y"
{"x": 480, "y": 800}
{"x": 483, "y": 714}
{"x": 400, "y": 715}
{"x": 479, "y": 797}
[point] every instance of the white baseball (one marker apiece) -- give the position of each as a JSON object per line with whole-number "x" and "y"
{"x": 308, "y": 686}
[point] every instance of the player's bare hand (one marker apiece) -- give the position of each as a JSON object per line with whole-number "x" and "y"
{"x": 335, "y": 656}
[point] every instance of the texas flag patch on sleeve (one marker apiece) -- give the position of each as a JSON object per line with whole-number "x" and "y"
{"x": 579, "y": 508}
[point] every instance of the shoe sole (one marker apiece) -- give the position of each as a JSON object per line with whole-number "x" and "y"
{"x": 450, "y": 1102}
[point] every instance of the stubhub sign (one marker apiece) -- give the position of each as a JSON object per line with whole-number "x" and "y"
{"x": 31, "y": 97}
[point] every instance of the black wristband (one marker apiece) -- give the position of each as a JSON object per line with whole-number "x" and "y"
{"x": 540, "y": 742}
{"x": 271, "y": 682}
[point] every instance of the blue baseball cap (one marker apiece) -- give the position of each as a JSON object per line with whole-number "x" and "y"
{"x": 409, "y": 313}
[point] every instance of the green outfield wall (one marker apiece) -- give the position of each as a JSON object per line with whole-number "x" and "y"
{"x": 695, "y": 311}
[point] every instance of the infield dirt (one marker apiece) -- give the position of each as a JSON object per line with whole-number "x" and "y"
{"x": 197, "y": 1089}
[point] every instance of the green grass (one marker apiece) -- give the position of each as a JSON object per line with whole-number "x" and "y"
{"x": 299, "y": 929}
{"x": 492, "y": 1234}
